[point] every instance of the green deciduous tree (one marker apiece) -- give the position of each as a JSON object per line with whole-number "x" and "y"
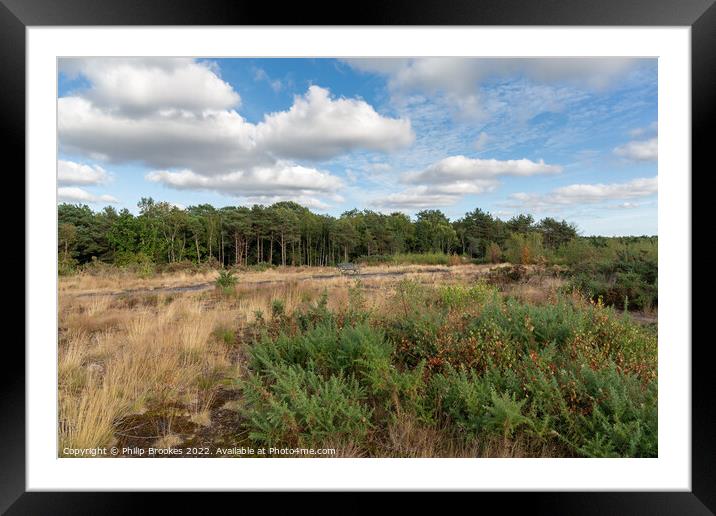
{"x": 555, "y": 233}
{"x": 287, "y": 233}
{"x": 433, "y": 232}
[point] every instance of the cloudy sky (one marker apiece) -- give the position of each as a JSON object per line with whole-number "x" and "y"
{"x": 567, "y": 138}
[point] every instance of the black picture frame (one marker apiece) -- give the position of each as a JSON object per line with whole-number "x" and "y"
{"x": 700, "y": 15}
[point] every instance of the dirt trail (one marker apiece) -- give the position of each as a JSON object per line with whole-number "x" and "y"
{"x": 643, "y": 318}
{"x": 198, "y": 287}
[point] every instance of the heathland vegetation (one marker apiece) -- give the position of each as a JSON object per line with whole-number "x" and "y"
{"x": 474, "y": 337}
{"x": 622, "y": 271}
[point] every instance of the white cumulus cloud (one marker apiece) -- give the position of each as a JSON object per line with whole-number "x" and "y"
{"x": 71, "y": 173}
{"x": 80, "y": 195}
{"x": 577, "y": 194}
{"x": 210, "y": 142}
{"x": 445, "y": 182}
{"x": 315, "y": 127}
{"x": 260, "y": 185}
{"x": 137, "y": 86}
{"x": 179, "y": 118}
{"x": 318, "y": 127}
{"x": 639, "y": 150}
{"x": 416, "y": 198}
{"x": 461, "y": 168}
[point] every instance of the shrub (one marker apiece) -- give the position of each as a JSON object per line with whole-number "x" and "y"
{"x": 181, "y": 266}
{"x": 278, "y": 308}
{"x": 494, "y": 253}
{"x": 139, "y": 263}
{"x": 620, "y": 284}
{"x": 260, "y": 267}
{"x": 524, "y": 248}
{"x": 305, "y": 388}
{"x": 96, "y": 267}
{"x": 504, "y": 414}
{"x": 591, "y": 412}
{"x": 578, "y": 378}
{"x": 577, "y": 252}
{"x": 415, "y": 337}
{"x": 316, "y": 314}
{"x": 410, "y": 296}
{"x": 226, "y": 281}
{"x": 355, "y": 311}
{"x": 408, "y": 259}
{"x": 461, "y": 398}
{"x": 505, "y": 275}
{"x": 224, "y": 334}
{"x": 453, "y": 260}
{"x": 622, "y": 419}
{"x": 459, "y": 296}
{"x": 622, "y": 272}
{"x": 66, "y": 265}
{"x": 212, "y": 263}
{"x": 323, "y": 348}
{"x": 293, "y": 406}
{"x": 358, "y": 357}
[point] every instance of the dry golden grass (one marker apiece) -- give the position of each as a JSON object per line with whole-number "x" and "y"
{"x": 408, "y": 438}
{"x": 86, "y": 419}
{"x": 117, "y": 281}
{"x": 165, "y": 355}
{"x": 538, "y": 290}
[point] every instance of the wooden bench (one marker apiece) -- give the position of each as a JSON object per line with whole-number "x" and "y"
{"x": 348, "y": 268}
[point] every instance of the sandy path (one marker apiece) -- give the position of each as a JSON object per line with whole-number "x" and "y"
{"x": 208, "y": 285}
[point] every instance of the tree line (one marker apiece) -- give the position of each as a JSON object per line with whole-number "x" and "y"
{"x": 286, "y": 233}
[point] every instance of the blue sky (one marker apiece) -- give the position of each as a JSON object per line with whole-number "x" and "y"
{"x": 574, "y": 139}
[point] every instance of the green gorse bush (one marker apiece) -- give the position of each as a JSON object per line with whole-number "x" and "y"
{"x": 226, "y": 280}
{"x": 467, "y": 363}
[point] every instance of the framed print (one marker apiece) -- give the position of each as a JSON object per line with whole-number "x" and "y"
{"x": 422, "y": 249}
